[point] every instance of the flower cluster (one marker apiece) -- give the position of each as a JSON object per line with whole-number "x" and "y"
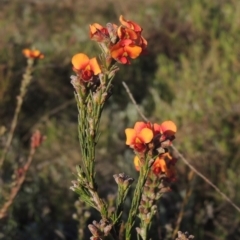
{"x": 32, "y": 53}
{"x": 163, "y": 164}
{"x": 123, "y": 42}
{"x": 148, "y": 139}
{"x": 118, "y": 43}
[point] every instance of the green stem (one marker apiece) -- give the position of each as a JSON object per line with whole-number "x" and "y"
{"x": 136, "y": 199}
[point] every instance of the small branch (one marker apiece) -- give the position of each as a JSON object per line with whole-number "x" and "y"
{"x": 15, "y": 189}
{"x": 184, "y": 203}
{"x": 134, "y": 102}
{"x": 23, "y": 89}
{"x": 100, "y": 204}
{"x": 224, "y": 196}
{"x": 136, "y": 199}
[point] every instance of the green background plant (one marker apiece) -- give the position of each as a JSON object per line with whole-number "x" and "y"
{"x": 190, "y": 75}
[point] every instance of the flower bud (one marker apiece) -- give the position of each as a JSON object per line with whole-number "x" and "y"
{"x": 123, "y": 179}
{"x": 94, "y": 230}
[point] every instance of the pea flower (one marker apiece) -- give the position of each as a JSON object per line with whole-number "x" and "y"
{"x": 120, "y": 43}
{"x": 125, "y": 49}
{"x": 139, "y": 136}
{"x": 130, "y": 24}
{"x": 164, "y": 164}
{"x": 131, "y": 44}
{"x": 129, "y": 27}
{"x": 98, "y": 32}
{"x": 34, "y": 54}
{"x": 167, "y": 129}
{"x": 126, "y": 33}
{"x": 85, "y": 67}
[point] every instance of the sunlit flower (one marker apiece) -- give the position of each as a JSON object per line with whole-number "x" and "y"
{"x": 137, "y": 163}
{"x": 137, "y": 38}
{"x": 164, "y": 165}
{"x": 85, "y": 67}
{"x": 167, "y": 128}
{"x": 35, "y": 54}
{"x": 98, "y": 32}
{"x": 126, "y": 33}
{"x": 125, "y": 49}
{"x": 139, "y": 136}
{"x": 130, "y": 24}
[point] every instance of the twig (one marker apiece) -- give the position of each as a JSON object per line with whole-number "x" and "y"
{"x": 23, "y": 89}
{"x": 134, "y": 102}
{"x": 20, "y": 181}
{"x": 224, "y": 196}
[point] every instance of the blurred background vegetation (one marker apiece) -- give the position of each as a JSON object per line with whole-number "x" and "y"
{"x": 190, "y": 75}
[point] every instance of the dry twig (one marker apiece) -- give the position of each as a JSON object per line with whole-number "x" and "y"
{"x": 17, "y": 187}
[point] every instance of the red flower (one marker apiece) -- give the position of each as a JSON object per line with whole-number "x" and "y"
{"x": 126, "y": 33}
{"x": 125, "y": 49}
{"x": 37, "y": 139}
{"x": 130, "y": 24}
{"x": 142, "y": 42}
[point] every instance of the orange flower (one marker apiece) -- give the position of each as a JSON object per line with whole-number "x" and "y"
{"x": 131, "y": 30}
{"x": 123, "y": 49}
{"x": 98, "y": 32}
{"x": 137, "y": 163}
{"x": 130, "y": 24}
{"x": 160, "y": 166}
{"x": 167, "y": 128}
{"x": 84, "y": 66}
{"x": 35, "y": 54}
{"x": 126, "y": 33}
{"x": 139, "y": 136}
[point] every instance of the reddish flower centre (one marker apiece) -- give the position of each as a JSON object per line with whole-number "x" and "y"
{"x": 87, "y": 74}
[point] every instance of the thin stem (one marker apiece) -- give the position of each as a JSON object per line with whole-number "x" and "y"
{"x": 19, "y": 183}
{"x": 88, "y": 125}
{"x": 224, "y": 196}
{"x": 23, "y": 89}
{"x": 136, "y": 199}
{"x": 184, "y": 203}
{"x": 134, "y": 102}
